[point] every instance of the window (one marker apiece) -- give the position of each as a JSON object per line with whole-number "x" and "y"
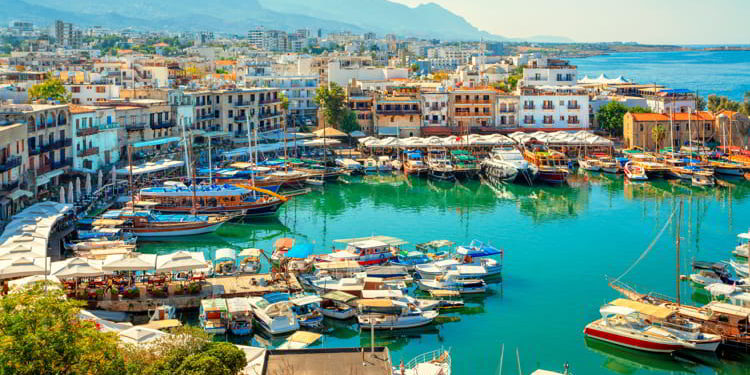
{"x": 562, "y": 102}
{"x": 76, "y": 89}
{"x": 230, "y": 100}
{"x": 641, "y": 127}
{"x": 100, "y": 89}
{"x": 677, "y": 128}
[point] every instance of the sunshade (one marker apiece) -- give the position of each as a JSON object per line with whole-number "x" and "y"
{"x": 339, "y": 296}
{"x": 28, "y": 280}
{"x": 250, "y": 253}
{"x": 657, "y": 312}
{"x": 119, "y": 262}
{"x": 300, "y": 251}
{"x": 180, "y": 261}
{"x": 329, "y": 132}
{"x": 225, "y": 254}
{"x": 140, "y": 335}
{"x": 21, "y": 267}
{"x": 77, "y": 267}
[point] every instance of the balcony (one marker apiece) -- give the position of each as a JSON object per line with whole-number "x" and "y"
{"x": 62, "y": 164}
{"x": 264, "y": 116}
{"x": 10, "y": 163}
{"x": 528, "y": 106}
{"x": 548, "y": 122}
{"x": 240, "y": 118}
{"x": 464, "y": 102}
{"x": 528, "y": 121}
{"x": 548, "y": 107}
{"x": 44, "y": 169}
{"x": 67, "y": 142}
{"x": 574, "y": 106}
{"x": 243, "y": 103}
{"x": 506, "y": 110}
{"x": 401, "y": 112}
{"x": 135, "y": 126}
{"x": 88, "y": 152}
{"x": 162, "y": 125}
{"x": 109, "y": 126}
{"x": 208, "y": 116}
{"x": 87, "y": 131}
{"x": 10, "y": 186}
{"x": 574, "y": 121}
{"x": 473, "y": 114}
{"x": 270, "y": 101}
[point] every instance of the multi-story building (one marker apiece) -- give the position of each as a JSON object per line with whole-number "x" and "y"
{"x": 13, "y": 164}
{"x": 435, "y": 108}
{"x": 145, "y": 124}
{"x": 21, "y": 28}
{"x": 472, "y": 108}
{"x": 362, "y": 106}
{"x": 554, "y": 108}
{"x": 299, "y": 90}
{"x": 47, "y": 142}
{"x": 92, "y": 93}
{"x": 398, "y": 116}
{"x": 95, "y": 138}
{"x": 506, "y": 110}
{"x": 680, "y": 128}
{"x": 66, "y": 35}
{"x": 549, "y": 72}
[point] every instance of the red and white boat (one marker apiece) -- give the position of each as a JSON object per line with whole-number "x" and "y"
{"x": 635, "y": 172}
{"x": 365, "y": 252}
{"x": 623, "y": 326}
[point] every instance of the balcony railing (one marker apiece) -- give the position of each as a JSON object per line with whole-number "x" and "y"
{"x": 548, "y": 122}
{"x": 10, "y": 163}
{"x": 528, "y": 121}
{"x": 109, "y": 126}
{"x": 264, "y": 116}
{"x": 240, "y": 118}
{"x": 507, "y": 110}
{"x": 242, "y": 103}
{"x": 87, "y": 131}
{"x": 399, "y": 112}
{"x": 62, "y": 164}
{"x": 574, "y": 121}
{"x": 210, "y": 116}
{"x": 162, "y": 125}
{"x": 44, "y": 169}
{"x": 88, "y": 152}
{"x": 528, "y": 106}
{"x": 473, "y": 114}
{"x": 481, "y": 101}
{"x": 135, "y": 126}
{"x": 574, "y": 106}
{"x": 270, "y": 101}
{"x": 548, "y": 107}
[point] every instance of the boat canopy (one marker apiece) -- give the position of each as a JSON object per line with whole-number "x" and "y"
{"x": 478, "y": 249}
{"x": 214, "y": 304}
{"x": 609, "y": 310}
{"x": 383, "y": 293}
{"x": 306, "y": 300}
{"x": 300, "y": 251}
{"x": 338, "y": 265}
{"x": 657, "y": 312}
{"x": 238, "y": 305}
{"x": 339, "y": 296}
{"x": 380, "y": 302}
{"x": 392, "y": 241}
{"x": 252, "y": 253}
{"x": 225, "y": 254}
{"x": 276, "y": 297}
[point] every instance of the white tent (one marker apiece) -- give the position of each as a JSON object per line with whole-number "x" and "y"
{"x": 120, "y": 262}
{"x": 140, "y": 336}
{"x": 29, "y": 280}
{"x": 88, "y": 184}
{"x": 62, "y": 194}
{"x": 78, "y": 188}
{"x": 99, "y": 179}
{"x": 71, "y": 198}
{"x": 23, "y": 247}
{"x": 225, "y": 254}
{"x": 77, "y": 267}
{"x": 180, "y": 261}
{"x": 20, "y": 267}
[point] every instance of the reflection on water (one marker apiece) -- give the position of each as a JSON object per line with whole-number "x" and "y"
{"x": 628, "y": 361}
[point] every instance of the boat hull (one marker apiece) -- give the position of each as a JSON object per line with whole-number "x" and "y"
{"x": 630, "y": 342}
{"x": 338, "y": 314}
{"x": 175, "y": 231}
{"x": 263, "y": 209}
{"x": 552, "y": 177}
{"x": 400, "y": 323}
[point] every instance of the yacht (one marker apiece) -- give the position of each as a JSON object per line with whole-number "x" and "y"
{"x": 635, "y": 172}
{"x": 413, "y": 163}
{"x": 478, "y": 254}
{"x": 430, "y": 271}
{"x": 365, "y": 252}
{"x": 275, "y": 318}
{"x": 439, "y": 166}
{"x": 146, "y": 223}
{"x": 430, "y": 363}
{"x": 507, "y": 164}
{"x": 624, "y": 327}
{"x": 390, "y": 314}
{"x": 743, "y": 248}
{"x": 461, "y": 281}
{"x": 552, "y": 165}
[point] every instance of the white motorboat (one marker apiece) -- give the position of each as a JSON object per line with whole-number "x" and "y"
{"x": 384, "y": 164}
{"x": 436, "y": 362}
{"x": 336, "y": 305}
{"x": 275, "y": 317}
{"x": 394, "y": 315}
{"x": 623, "y": 326}
{"x": 743, "y": 248}
{"x": 439, "y": 165}
{"x": 349, "y": 165}
{"x": 635, "y": 172}
{"x": 508, "y": 164}
{"x": 434, "y": 269}
{"x": 742, "y": 270}
{"x": 454, "y": 281}
{"x": 479, "y": 254}
{"x": 590, "y": 165}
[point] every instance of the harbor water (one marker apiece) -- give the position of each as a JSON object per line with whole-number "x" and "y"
{"x": 724, "y": 73}
{"x": 561, "y": 244}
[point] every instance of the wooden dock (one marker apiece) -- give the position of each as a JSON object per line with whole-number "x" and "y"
{"x": 219, "y": 287}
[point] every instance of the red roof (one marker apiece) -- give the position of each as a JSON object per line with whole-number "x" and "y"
{"x": 649, "y": 117}
{"x": 74, "y": 108}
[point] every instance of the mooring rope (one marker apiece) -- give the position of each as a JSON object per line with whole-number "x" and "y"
{"x": 648, "y": 249}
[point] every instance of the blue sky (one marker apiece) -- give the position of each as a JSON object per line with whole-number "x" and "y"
{"x": 645, "y": 21}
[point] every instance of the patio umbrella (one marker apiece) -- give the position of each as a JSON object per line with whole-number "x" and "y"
{"x": 77, "y": 267}
{"x": 21, "y": 267}
{"x": 70, "y": 192}
{"x": 30, "y": 280}
{"x": 88, "y": 184}
{"x": 114, "y": 176}
{"x": 119, "y": 262}
{"x": 62, "y": 195}
{"x": 99, "y": 179}
{"x": 78, "y": 188}
{"x": 180, "y": 261}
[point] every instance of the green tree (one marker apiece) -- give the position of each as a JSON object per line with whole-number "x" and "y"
{"x": 658, "y": 133}
{"x": 40, "y": 334}
{"x": 721, "y": 103}
{"x": 611, "y": 115}
{"x": 700, "y": 103}
{"x": 51, "y": 88}
{"x": 349, "y": 122}
{"x": 221, "y": 71}
{"x": 332, "y": 101}
{"x": 202, "y": 364}
{"x": 414, "y": 68}
{"x": 231, "y": 356}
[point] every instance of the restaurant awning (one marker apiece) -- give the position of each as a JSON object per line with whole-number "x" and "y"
{"x": 155, "y": 142}
{"x": 20, "y": 193}
{"x": 45, "y": 178}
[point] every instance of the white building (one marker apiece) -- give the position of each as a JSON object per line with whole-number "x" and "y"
{"x": 435, "y": 108}
{"x": 561, "y": 107}
{"x": 300, "y": 90}
{"x": 95, "y": 139}
{"x": 549, "y": 72}
{"x": 343, "y": 74}
{"x": 91, "y": 93}
{"x": 506, "y": 111}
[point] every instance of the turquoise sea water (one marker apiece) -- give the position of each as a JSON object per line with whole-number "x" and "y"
{"x": 560, "y": 243}
{"x": 725, "y": 73}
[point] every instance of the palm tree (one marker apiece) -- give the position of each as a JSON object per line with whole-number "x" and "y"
{"x": 659, "y": 134}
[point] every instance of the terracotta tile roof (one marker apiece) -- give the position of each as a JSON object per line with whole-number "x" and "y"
{"x": 161, "y": 44}
{"x": 649, "y": 117}
{"x": 74, "y": 108}
{"x": 226, "y": 62}
{"x": 706, "y": 116}
{"x": 124, "y": 51}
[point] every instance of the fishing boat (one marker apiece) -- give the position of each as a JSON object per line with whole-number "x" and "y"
{"x": 410, "y": 259}
{"x": 589, "y": 165}
{"x": 439, "y": 166}
{"x": 349, "y": 165}
{"x": 650, "y": 165}
{"x": 635, "y": 172}
{"x": 703, "y": 179}
{"x": 609, "y": 165}
{"x": 622, "y": 326}
{"x": 146, "y": 223}
{"x": 465, "y": 165}
{"x": 307, "y": 309}
{"x": 743, "y": 247}
{"x": 315, "y": 181}
{"x": 432, "y": 270}
{"x": 336, "y": 305}
{"x": 478, "y": 253}
{"x": 726, "y": 168}
{"x": 370, "y": 165}
{"x": 390, "y": 314}
{"x": 461, "y": 282}
{"x": 436, "y": 362}
{"x": 213, "y": 316}
{"x": 552, "y": 165}
{"x": 414, "y": 163}
{"x": 240, "y": 316}
{"x": 364, "y": 252}
{"x": 250, "y": 262}
{"x": 295, "y": 257}
{"x": 275, "y": 318}
{"x": 384, "y": 164}
{"x": 176, "y": 197}
{"x": 712, "y": 273}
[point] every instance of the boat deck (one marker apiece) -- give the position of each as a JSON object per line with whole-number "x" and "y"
{"x": 225, "y": 287}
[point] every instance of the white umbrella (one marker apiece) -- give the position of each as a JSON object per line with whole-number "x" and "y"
{"x": 119, "y": 262}
{"x": 70, "y": 192}
{"x": 114, "y": 175}
{"x": 62, "y": 195}
{"x": 88, "y": 184}
{"x": 180, "y": 261}
{"x": 99, "y": 179}
{"x": 77, "y": 267}
{"x": 140, "y": 336}
{"x": 78, "y": 188}
{"x": 21, "y": 267}
{"x": 28, "y": 280}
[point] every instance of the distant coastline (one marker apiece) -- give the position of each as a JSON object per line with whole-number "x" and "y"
{"x": 646, "y": 48}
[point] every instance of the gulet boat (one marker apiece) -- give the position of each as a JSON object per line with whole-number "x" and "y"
{"x": 145, "y": 223}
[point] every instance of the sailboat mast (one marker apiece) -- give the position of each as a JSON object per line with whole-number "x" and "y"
{"x": 185, "y": 147}
{"x": 210, "y": 172}
{"x": 130, "y": 176}
{"x": 690, "y": 134}
{"x": 671, "y": 128}
{"x": 193, "y": 184}
{"x": 677, "y": 243}
{"x": 249, "y": 145}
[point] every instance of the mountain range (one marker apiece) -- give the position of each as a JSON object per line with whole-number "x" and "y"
{"x": 238, "y": 16}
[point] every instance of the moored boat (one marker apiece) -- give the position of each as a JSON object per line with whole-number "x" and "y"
{"x": 145, "y": 223}
{"x": 240, "y": 316}
{"x": 635, "y": 172}
{"x": 364, "y": 252}
{"x": 622, "y": 326}
{"x": 414, "y": 163}
{"x": 461, "y": 282}
{"x": 213, "y": 316}
{"x": 590, "y": 165}
{"x": 439, "y": 166}
{"x": 552, "y": 165}
{"x": 336, "y": 305}
{"x": 275, "y": 318}
{"x": 389, "y": 314}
